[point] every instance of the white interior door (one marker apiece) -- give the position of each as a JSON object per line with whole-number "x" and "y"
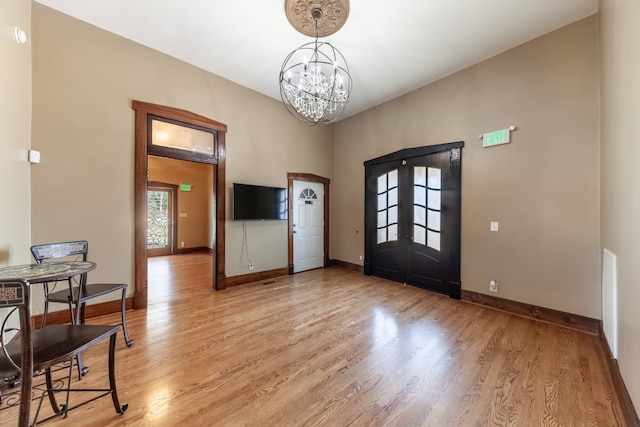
{"x": 308, "y": 225}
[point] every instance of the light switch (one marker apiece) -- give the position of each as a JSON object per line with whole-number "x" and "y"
{"x": 34, "y": 156}
{"x": 183, "y": 215}
{"x": 495, "y": 226}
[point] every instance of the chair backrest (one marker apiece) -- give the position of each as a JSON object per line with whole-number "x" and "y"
{"x": 47, "y": 251}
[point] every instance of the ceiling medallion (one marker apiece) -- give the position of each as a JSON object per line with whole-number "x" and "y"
{"x": 302, "y": 16}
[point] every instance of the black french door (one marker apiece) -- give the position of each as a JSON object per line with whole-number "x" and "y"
{"x": 412, "y": 217}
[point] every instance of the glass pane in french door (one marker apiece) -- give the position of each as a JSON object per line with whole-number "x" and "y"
{"x": 427, "y": 195}
{"x": 387, "y": 193}
{"x": 158, "y": 219}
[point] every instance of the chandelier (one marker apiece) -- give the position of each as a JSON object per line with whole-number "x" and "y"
{"x": 314, "y": 80}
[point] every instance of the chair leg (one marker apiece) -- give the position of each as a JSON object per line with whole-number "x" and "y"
{"x": 82, "y": 370}
{"x": 120, "y": 408}
{"x": 43, "y": 322}
{"x": 82, "y": 314}
{"x": 51, "y": 391}
{"x": 78, "y": 319}
{"x": 73, "y": 314}
{"x": 127, "y": 341}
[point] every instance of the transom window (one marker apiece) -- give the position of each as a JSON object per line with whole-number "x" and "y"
{"x": 308, "y": 194}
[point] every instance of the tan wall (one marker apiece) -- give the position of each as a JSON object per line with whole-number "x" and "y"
{"x": 194, "y": 229}
{"x": 15, "y": 133}
{"x": 620, "y": 208}
{"x": 542, "y": 188}
{"x": 84, "y": 80}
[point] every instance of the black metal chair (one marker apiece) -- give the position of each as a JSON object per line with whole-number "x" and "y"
{"x": 29, "y": 355}
{"x": 77, "y": 294}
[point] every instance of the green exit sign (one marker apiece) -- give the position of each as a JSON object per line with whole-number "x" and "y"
{"x": 497, "y": 137}
{"x": 185, "y": 187}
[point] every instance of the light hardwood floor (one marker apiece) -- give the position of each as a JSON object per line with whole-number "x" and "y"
{"x": 332, "y": 347}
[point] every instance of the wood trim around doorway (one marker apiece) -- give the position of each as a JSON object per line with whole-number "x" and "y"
{"x": 142, "y": 111}
{"x": 291, "y": 176}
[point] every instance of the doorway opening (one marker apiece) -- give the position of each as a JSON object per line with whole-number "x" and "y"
{"x": 186, "y": 191}
{"x": 198, "y": 139}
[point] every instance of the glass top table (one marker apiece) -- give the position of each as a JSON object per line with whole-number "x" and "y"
{"x": 45, "y": 272}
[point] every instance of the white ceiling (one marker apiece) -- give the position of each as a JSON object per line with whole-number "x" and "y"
{"x": 392, "y": 47}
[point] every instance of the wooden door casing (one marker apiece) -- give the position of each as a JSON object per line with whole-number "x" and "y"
{"x": 308, "y": 225}
{"x": 144, "y": 112}
{"x": 294, "y": 176}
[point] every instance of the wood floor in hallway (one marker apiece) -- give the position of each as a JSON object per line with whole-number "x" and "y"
{"x": 332, "y": 347}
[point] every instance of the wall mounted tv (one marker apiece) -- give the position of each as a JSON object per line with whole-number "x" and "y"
{"x": 256, "y": 202}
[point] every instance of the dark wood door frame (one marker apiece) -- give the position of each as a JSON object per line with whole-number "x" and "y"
{"x": 291, "y": 176}
{"x": 144, "y": 111}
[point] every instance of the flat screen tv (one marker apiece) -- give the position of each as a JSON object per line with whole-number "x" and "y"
{"x": 257, "y": 202}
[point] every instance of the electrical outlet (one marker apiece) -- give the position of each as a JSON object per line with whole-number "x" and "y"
{"x": 250, "y": 266}
{"x": 361, "y": 258}
{"x": 182, "y": 244}
{"x": 493, "y": 286}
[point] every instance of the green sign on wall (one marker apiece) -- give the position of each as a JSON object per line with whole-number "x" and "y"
{"x": 497, "y": 137}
